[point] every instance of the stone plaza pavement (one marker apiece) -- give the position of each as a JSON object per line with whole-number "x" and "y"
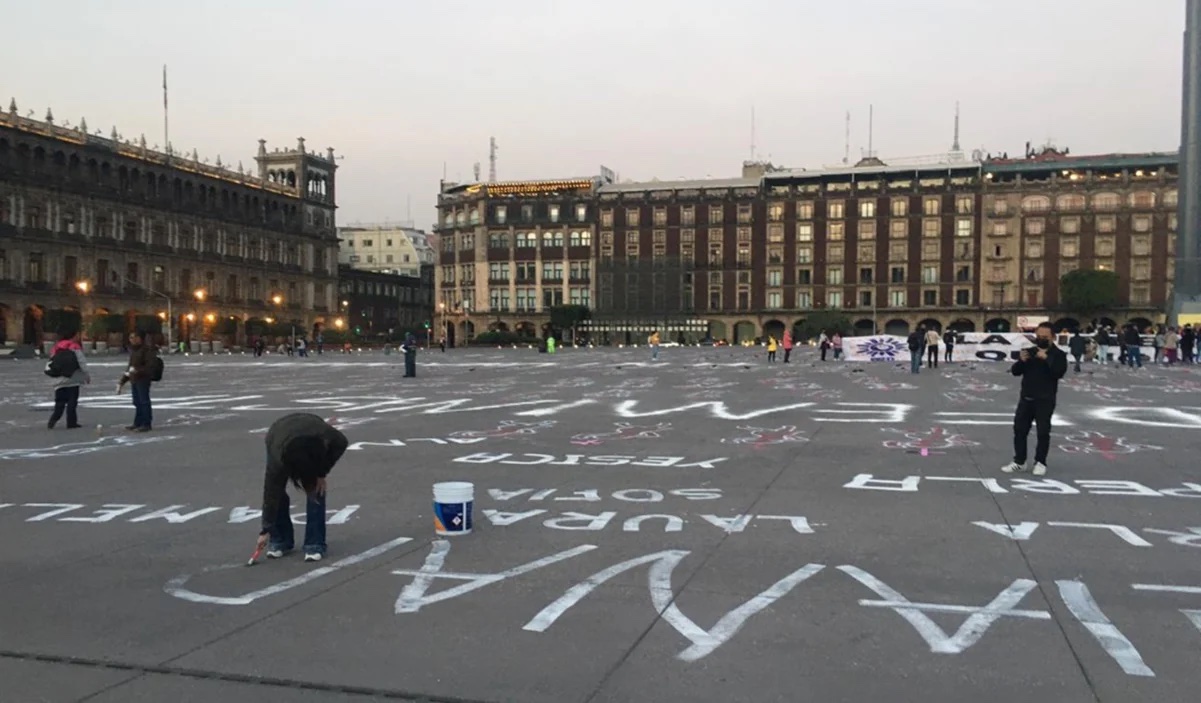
{"x": 704, "y": 528}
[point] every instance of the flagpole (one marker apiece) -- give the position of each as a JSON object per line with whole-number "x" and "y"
{"x": 166, "y": 131}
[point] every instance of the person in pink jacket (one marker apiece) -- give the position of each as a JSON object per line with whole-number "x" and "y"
{"x": 66, "y": 386}
{"x": 787, "y": 344}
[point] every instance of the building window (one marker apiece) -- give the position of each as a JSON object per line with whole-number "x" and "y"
{"x": 1000, "y": 207}
{"x": 1140, "y": 246}
{"x": 1140, "y": 295}
{"x": 930, "y": 250}
{"x": 1069, "y": 247}
{"x": 716, "y": 214}
{"x": 744, "y": 234}
{"x": 899, "y": 207}
{"x": 896, "y": 274}
{"x": 527, "y": 213}
{"x": 804, "y": 277}
{"x": 865, "y": 298}
{"x": 744, "y": 214}
{"x": 963, "y": 296}
{"x": 1107, "y": 223}
{"x": 581, "y": 238}
{"x": 834, "y": 276}
{"x": 834, "y": 299}
{"x": 526, "y": 299}
{"x": 804, "y": 300}
{"x": 896, "y": 298}
{"x": 867, "y": 252}
{"x": 1034, "y": 249}
{"x": 498, "y": 271}
{"x": 606, "y": 218}
{"x": 581, "y": 212}
{"x": 554, "y": 214}
{"x": 867, "y": 230}
{"x": 834, "y": 252}
{"x": 1000, "y": 229}
{"x": 775, "y": 212}
{"x": 688, "y": 215}
{"x": 929, "y": 274}
{"x": 1141, "y": 270}
{"x": 1141, "y": 223}
{"x": 865, "y": 275}
{"x": 1070, "y": 202}
{"x": 835, "y": 231}
{"x": 835, "y": 209}
{"x": 931, "y": 228}
{"x": 804, "y": 255}
{"x": 963, "y": 227}
{"x": 963, "y": 274}
{"x": 715, "y": 254}
{"x": 1106, "y": 201}
{"x": 929, "y": 298}
{"x": 775, "y": 300}
{"x": 1172, "y": 222}
{"x": 1069, "y": 225}
{"x": 775, "y": 255}
{"x": 552, "y": 271}
{"x": 1036, "y": 203}
{"x": 775, "y": 277}
{"x": 744, "y": 299}
{"x": 998, "y": 274}
{"x": 964, "y": 204}
{"x": 1105, "y": 246}
{"x": 579, "y": 296}
{"x": 498, "y": 299}
{"x": 632, "y": 217}
{"x": 527, "y": 240}
{"x": 498, "y": 240}
{"x": 804, "y": 232}
{"x": 898, "y": 251}
{"x": 931, "y": 205}
{"x": 867, "y": 208}
{"x": 660, "y": 216}
{"x": 1143, "y": 200}
{"x": 804, "y": 210}
{"x": 775, "y": 233}
{"x": 1036, "y": 225}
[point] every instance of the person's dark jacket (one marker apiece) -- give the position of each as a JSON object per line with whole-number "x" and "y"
{"x": 1188, "y": 338}
{"x": 948, "y": 338}
{"x": 1040, "y": 379}
{"x": 299, "y": 446}
{"x": 917, "y": 340}
{"x": 141, "y": 362}
{"x": 1132, "y": 338}
{"x": 1078, "y": 344}
{"x": 1103, "y": 338}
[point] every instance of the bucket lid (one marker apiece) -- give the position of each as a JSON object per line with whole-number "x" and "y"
{"x": 454, "y": 486}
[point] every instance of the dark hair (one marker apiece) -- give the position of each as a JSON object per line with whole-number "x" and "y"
{"x": 1047, "y": 325}
{"x": 303, "y": 457}
{"x": 68, "y": 332}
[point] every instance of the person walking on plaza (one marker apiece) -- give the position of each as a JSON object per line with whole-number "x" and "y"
{"x": 409, "y": 347}
{"x": 653, "y": 341}
{"x": 1159, "y": 344}
{"x": 787, "y": 344}
{"x": 917, "y": 343}
{"x": 1171, "y": 344}
{"x": 823, "y": 343}
{"x": 932, "y": 340}
{"x": 1104, "y": 340}
{"x": 836, "y": 344}
{"x": 948, "y": 341}
{"x": 70, "y": 372}
{"x": 143, "y": 357}
{"x": 771, "y": 349}
{"x": 1078, "y": 344}
{"x": 1133, "y": 342}
{"x": 1188, "y": 342}
{"x": 1040, "y": 369}
{"x": 301, "y": 448}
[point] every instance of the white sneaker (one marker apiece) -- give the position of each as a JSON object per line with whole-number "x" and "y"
{"x": 1040, "y": 469}
{"x": 312, "y": 557}
{"x": 1013, "y": 468}
{"x": 274, "y": 553}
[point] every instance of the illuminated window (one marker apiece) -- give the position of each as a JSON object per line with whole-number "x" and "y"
{"x": 835, "y": 231}
{"x": 899, "y": 207}
{"x": 835, "y": 209}
{"x": 804, "y": 232}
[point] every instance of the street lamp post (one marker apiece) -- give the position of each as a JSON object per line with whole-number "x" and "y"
{"x": 279, "y": 302}
{"x": 84, "y": 286}
{"x": 441, "y": 322}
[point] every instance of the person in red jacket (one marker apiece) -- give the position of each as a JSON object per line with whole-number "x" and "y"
{"x": 787, "y": 344}
{"x": 66, "y": 388}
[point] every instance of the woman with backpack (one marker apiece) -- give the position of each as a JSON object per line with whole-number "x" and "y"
{"x": 143, "y": 367}
{"x": 70, "y": 370}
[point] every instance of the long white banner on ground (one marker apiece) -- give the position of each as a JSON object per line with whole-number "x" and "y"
{"x": 969, "y": 346}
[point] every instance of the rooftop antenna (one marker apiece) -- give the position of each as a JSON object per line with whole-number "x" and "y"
{"x": 476, "y": 171}
{"x": 491, "y": 159}
{"x": 752, "y": 132}
{"x": 846, "y": 150}
{"x": 955, "y": 144}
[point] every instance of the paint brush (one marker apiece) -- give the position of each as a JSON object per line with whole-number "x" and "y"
{"x": 254, "y": 558}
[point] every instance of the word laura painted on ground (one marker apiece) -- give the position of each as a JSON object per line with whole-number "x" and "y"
{"x": 589, "y": 522}
{"x": 1096, "y": 487}
{"x": 936, "y": 438}
{"x": 624, "y": 431}
{"x": 1091, "y": 442}
{"x": 172, "y": 514}
{"x": 78, "y": 448}
{"x": 1023, "y": 531}
{"x": 587, "y": 460}
{"x": 759, "y": 437}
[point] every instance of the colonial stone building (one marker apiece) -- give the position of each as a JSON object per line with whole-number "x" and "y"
{"x": 118, "y": 234}
{"x": 970, "y": 244}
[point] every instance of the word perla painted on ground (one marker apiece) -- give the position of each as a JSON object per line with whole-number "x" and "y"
{"x": 1096, "y": 487}
{"x": 1023, "y": 531}
{"x": 586, "y": 460}
{"x": 172, "y": 514}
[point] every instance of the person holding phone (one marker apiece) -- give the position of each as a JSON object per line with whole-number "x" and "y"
{"x": 1040, "y": 368}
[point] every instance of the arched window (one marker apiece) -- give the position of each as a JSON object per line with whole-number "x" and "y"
{"x": 1036, "y": 203}
{"x": 1106, "y": 201}
{"x": 1071, "y": 201}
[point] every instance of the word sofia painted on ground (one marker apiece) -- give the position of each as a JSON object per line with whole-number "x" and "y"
{"x": 586, "y": 460}
{"x": 935, "y": 438}
{"x": 1096, "y": 487}
{"x": 969, "y": 346}
{"x": 661, "y": 566}
{"x": 593, "y": 495}
{"x": 587, "y": 522}
{"x": 759, "y": 437}
{"x": 172, "y": 514}
{"x": 624, "y": 431}
{"x": 1023, "y": 531}
{"x": 77, "y": 448}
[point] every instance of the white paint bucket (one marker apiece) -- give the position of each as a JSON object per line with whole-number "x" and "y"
{"x": 453, "y": 501}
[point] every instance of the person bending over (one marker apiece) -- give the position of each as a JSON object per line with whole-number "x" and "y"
{"x": 301, "y": 448}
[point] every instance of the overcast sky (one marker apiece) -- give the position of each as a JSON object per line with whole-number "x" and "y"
{"x": 649, "y": 88}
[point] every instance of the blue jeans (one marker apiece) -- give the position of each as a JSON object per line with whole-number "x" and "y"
{"x": 654, "y": 352}
{"x": 915, "y": 361}
{"x": 282, "y": 537}
{"x": 1134, "y": 355}
{"x": 143, "y": 415}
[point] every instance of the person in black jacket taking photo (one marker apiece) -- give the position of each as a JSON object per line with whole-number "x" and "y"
{"x": 1040, "y": 368}
{"x": 301, "y": 448}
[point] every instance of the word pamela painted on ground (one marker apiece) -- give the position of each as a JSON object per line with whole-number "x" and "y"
{"x": 172, "y": 514}
{"x": 1047, "y": 486}
{"x": 666, "y": 603}
{"x": 661, "y": 462}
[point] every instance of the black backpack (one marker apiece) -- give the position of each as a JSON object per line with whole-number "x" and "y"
{"x": 156, "y": 369}
{"x": 63, "y": 364}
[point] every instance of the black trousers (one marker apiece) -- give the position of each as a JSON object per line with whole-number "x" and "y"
{"x": 787, "y": 353}
{"x": 950, "y": 348}
{"x": 65, "y": 399}
{"x": 410, "y": 365}
{"x": 1037, "y": 412}
{"x": 932, "y": 356}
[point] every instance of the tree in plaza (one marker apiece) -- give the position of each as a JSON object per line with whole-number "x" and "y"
{"x": 828, "y": 321}
{"x": 568, "y": 317}
{"x": 1088, "y": 292}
